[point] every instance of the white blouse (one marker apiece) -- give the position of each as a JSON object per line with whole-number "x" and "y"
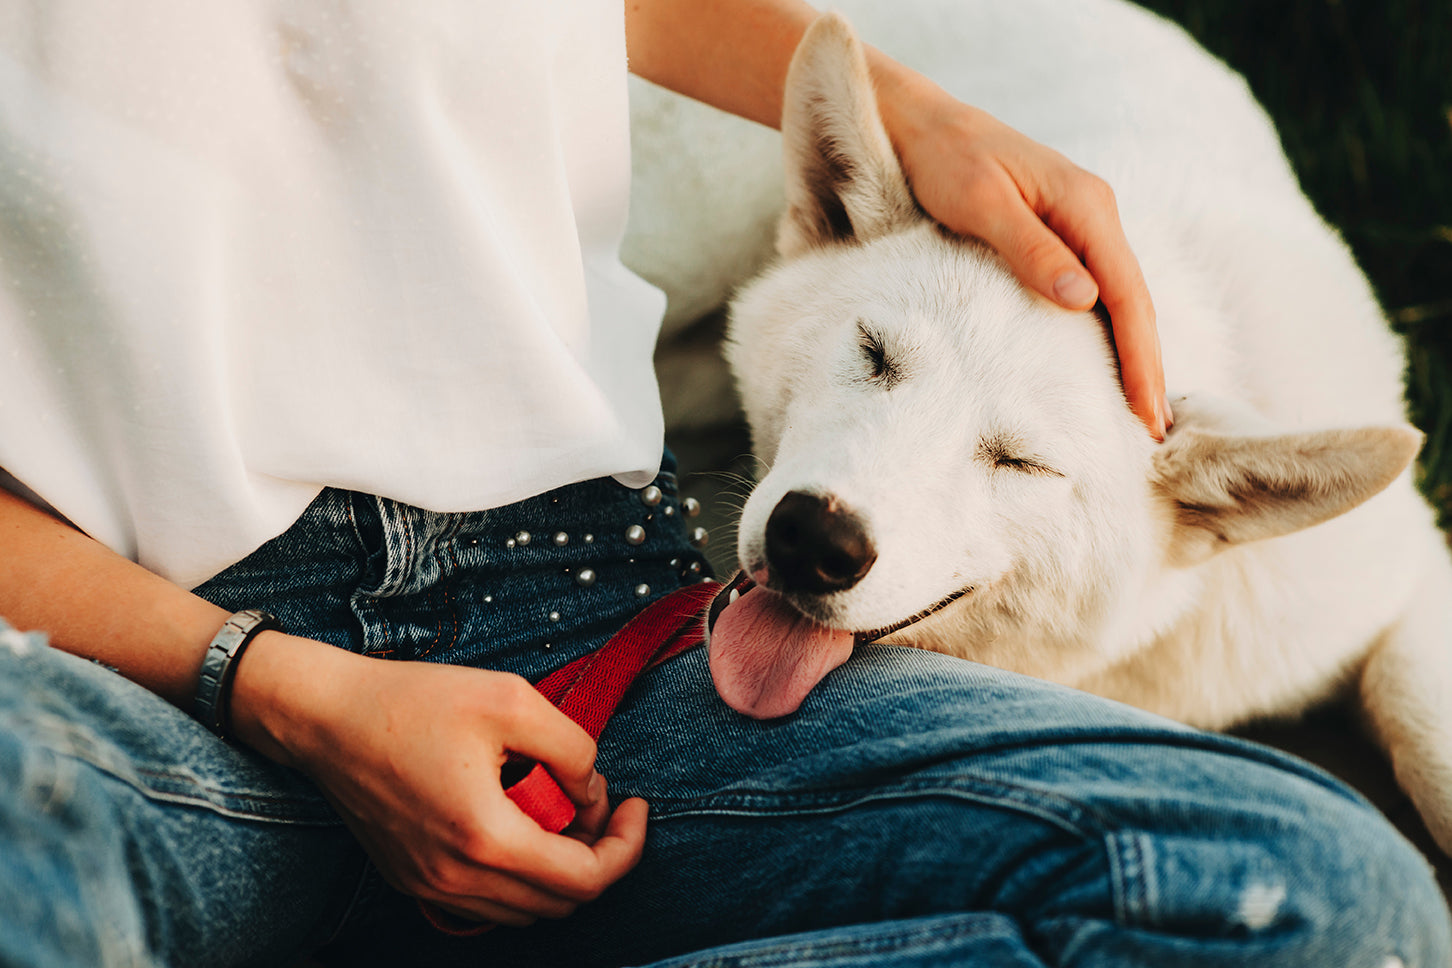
{"x": 252, "y": 248}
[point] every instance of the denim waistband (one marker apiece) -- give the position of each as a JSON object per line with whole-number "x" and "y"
{"x": 523, "y": 588}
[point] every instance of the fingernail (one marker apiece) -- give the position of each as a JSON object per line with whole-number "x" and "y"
{"x": 1169, "y": 414}
{"x": 597, "y": 788}
{"x": 1074, "y": 289}
{"x": 1159, "y": 408}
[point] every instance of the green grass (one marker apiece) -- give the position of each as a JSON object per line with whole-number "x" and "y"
{"x": 1361, "y": 91}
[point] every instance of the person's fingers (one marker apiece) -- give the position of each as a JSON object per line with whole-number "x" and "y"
{"x": 1142, "y": 374}
{"x": 515, "y": 880}
{"x": 1055, "y": 224}
{"x": 532, "y": 726}
{"x": 484, "y": 894}
{"x": 1136, "y": 338}
{"x": 1001, "y": 216}
{"x": 1042, "y": 258}
{"x": 1086, "y": 216}
{"x": 591, "y": 820}
{"x": 467, "y": 892}
{"x": 566, "y": 866}
{"x": 1042, "y": 261}
{"x": 623, "y": 842}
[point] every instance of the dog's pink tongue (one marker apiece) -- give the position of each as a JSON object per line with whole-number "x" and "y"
{"x": 766, "y": 656}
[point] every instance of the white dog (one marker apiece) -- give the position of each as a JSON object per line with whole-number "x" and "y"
{"x": 952, "y": 463}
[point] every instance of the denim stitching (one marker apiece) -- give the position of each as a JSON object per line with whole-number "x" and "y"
{"x": 1148, "y": 883}
{"x": 56, "y": 784}
{"x": 448, "y": 565}
{"x": 75, "y": 744}
{"x": 397, "y": 545}
{"x": 1118, "y": 879}
{"x": 229, "y": 807}
{"x": 397, "y": 548}
{"x": 449, "y": 604}
{"x": 1132, "y": 880}
{"x": 409, "y": 550}
{"x": 349, "y": 498}
{"x": 450, "y": 599}
{"x": 110, "y": 916}
{"x": 436, "y": 608}
{"x": 385, "y": 542}
{"x": 1074, "y": 818}
{"x": 439, "y": 542}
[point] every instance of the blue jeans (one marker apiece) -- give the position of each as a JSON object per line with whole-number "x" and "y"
{"x": 918, "y": 810}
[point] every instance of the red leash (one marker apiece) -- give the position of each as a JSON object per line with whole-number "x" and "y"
{"x": 588, "y": 690}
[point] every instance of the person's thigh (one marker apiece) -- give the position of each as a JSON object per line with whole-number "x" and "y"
{"x": 911, "y": 784}
{"x": 129, "y": 835}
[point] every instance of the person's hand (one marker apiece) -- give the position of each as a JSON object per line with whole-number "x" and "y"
{"x": 1049, "y": 218}
{"x": 410, "y": 756}
{"x": 977, "y": 177}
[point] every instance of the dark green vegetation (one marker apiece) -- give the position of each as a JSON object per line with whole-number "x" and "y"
{"x": 1361, "y": 91}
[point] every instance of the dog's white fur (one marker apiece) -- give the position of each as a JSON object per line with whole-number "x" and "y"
{"x": 1270, "y": 554}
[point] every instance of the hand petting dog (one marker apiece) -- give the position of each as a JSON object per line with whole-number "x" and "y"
{"x": 1056, "y": 224}
{"x": 1049, "y": 218}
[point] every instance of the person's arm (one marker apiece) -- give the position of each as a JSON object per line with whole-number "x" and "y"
{"x": 415, "y": 776}
{"x": 94, "y": 603}
{"x": 1049, "y": 218}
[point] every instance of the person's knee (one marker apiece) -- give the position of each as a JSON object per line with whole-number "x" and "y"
{"x": 1358, "y": 890}
{"x": 1321, "y": 881}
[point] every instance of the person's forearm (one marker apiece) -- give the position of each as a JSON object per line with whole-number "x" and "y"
{"x": 731, "y": 54}
{"x": 734, "y": 54}
{"x": 94, "y": 603}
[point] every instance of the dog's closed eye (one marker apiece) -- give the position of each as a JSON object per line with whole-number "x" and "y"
{"x": 1028, "y": 465}
{"x": 883, "y": 369}
{"x": 1006, "y": 453}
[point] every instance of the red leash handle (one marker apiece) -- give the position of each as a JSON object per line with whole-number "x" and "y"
{"x": 588, "y": 690}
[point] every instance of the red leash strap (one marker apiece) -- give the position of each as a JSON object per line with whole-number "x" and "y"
{"x": 588, "y": 690}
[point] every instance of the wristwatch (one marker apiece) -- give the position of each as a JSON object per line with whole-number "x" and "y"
{"x": 219, "y": 667}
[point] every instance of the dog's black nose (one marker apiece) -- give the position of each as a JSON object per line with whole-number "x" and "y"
{"x": 815, "y": 545}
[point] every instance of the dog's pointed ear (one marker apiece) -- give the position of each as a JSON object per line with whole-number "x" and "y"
{"x": 1228, "y": 487}
{"x": 843, "y": 180}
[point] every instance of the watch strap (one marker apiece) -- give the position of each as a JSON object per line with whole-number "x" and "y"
{"x": 219, "y": 666}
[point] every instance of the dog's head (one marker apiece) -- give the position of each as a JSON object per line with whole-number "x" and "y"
{"x": 952, "y": 462}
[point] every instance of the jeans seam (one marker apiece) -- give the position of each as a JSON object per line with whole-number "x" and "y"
{"x": 88, "y": 751}
{"x": 447, "y": 564}
{"x": 351, "y": 497}
{"x": 409, "y": 545}
{"x": 1073, "y": 818}
{"x": 447, "y": 584}
{"x": 1132, "y": 881}
{"x": 397, "y": 548}
{"x": 397, "y": 543}
{"x": 223, "y": 802}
